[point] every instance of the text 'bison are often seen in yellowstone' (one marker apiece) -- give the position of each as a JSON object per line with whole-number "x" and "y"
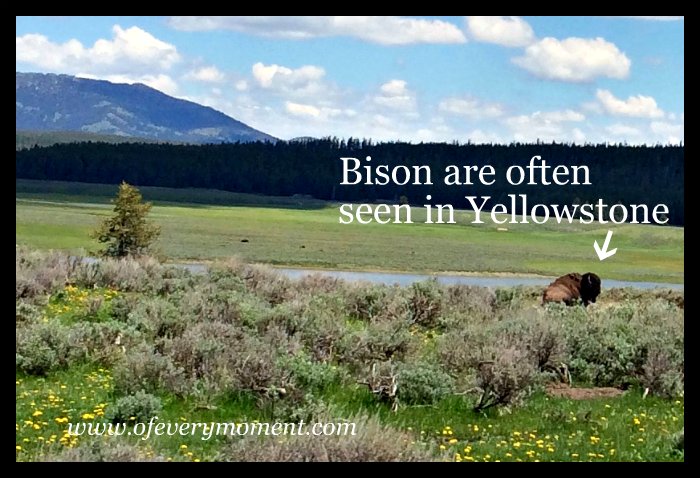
{"x": 571, "y": 287}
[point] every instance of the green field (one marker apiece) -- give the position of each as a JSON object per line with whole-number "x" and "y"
{"x": 200, "y": 225}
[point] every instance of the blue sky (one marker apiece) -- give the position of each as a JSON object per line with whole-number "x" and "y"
{"x": 484, "y": 79}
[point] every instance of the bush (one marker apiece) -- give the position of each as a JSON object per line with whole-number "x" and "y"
{"x": 26, "y": 313}
{"x": 378, "y": 342}
{"x": 423, "y": 384}
{"x": 42, "y": 347}
{"x": 142, "y": 369}
{"x": 426, "y": 303}
{"x": 309, "y": 375}
{"x": 156, "y": 317}
{"x": 109, "y": 450}
{"x": 365, "y": 302}
{"x": 505, "y": 380}
{"x": 139, "y": 407}
{"x": 373, "y": 442}
{"x": 663, "y": 372}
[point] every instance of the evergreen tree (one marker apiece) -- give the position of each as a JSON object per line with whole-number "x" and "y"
{"x": 127, "y": 232}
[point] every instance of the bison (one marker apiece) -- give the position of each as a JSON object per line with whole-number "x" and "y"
{"x": 571, "y": 287}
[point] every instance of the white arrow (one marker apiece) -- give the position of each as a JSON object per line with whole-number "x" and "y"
{"x": 604, "y": 253}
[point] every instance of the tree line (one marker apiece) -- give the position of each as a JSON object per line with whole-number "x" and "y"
{"x": 618, "y": 173}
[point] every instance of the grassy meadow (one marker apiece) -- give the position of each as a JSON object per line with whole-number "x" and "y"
{"x": 471, "y": 370}
{"x": 203, "y": 225}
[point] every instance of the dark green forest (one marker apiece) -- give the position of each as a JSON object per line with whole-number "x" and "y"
{"x": 618, "y": 173}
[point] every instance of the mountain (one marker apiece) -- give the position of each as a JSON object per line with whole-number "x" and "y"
{"x": 48, "y": 102}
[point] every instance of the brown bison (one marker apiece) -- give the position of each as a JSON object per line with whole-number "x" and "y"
{"x": 571, "y": 287}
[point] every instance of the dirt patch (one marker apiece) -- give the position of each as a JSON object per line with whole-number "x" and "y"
{"x": 562, "y": 390}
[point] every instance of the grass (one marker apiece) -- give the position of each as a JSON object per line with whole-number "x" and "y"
{"x": 546, "y": 429}
{"x": 303, "y": 232}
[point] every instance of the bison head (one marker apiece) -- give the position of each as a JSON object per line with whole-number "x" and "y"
{"x": 590, "y": 287}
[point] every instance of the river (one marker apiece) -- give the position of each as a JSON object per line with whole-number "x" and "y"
{"x": 474, "y": 280}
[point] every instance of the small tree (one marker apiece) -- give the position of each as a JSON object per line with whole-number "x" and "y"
{"x": 127, "y": 232}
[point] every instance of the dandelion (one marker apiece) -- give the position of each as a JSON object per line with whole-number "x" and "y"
{"x": 509, "y": 455}
{"x": 183, "y": 447}
{"x": 612, "y": 451}
{"x": 37, "y": 413}
{"x": 636, "y": 421}
{"x": 443, "y": 447}
{"x": 574, "y": 455}
{"x": 453, "y": 441}
{"x": 18, "y": 448}
{"x": 476, "y": 428}
{"x": 516, "y": 444}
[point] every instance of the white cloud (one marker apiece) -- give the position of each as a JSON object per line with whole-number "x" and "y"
{"x": 130, "y": 51}
{"x": 206, "y": 74}
{"x": 241, "y": 85}
{"x": 574, "y": 59}
{"x": 470, "y": 107}
{"x": 504, "y": 31}
{"x": 546, "y": 126}
{"x": 480, "y": 137}
{"x": 635, "y": 106}
{"x": 269, "y": 76}
{"x": 394, "y": 94}
{"x": 160, "y": 82}
{"x": 623, "y": 131}
{"x": 298, "y": 109}
{"x": 668, "y": 132}
{"x": 383, "y": 30}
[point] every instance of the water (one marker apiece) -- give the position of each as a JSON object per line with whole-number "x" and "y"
{"x": 407, "y": 279}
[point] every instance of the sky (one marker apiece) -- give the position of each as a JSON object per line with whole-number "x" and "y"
{"x": 478, "y": 79}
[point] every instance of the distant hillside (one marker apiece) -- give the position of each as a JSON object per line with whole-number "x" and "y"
{"x": 48, "y": 102}
{"x": 29, "y": 139}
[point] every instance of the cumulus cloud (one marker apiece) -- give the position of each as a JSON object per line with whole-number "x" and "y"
{"x": 394, "y": 94}
{"x": 472, "y": 108}
{"x": 574, "y": 59}
{"x": 668, "y": 132}
{"x": 298, "y": 109}
{"x": 623, "y": 131}
{"x": 130, "y": 51}
{"x": 635, "y": 106}
{"x": 546, "y": 126}
{"x": 504, "y": 31}
{"x": 206, "y": 74}
{"x": 383, "y": 30}
{"x": 276, "y": 76}
{"x": 159, "y": 82}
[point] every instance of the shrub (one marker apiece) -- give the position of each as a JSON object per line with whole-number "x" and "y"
{"x": 505, "y": 380}
{"x": 373, "y": 442}
{"x": 425, "y": 302}
{"x": 423, "y": 384}
{"x": 26, "y": 313}
{"x": 139, "y": 407}
{"x": 377, "y": 342}
{"x": 142, "y": 369}
{"x": 663, "y": 372}
{"x": 313, "y": 376}
{"x": 156, "y": 317}
{"x": 42, "y": 347}
{"x": 365, "y": 301}
{"x": 111, "y": 449}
